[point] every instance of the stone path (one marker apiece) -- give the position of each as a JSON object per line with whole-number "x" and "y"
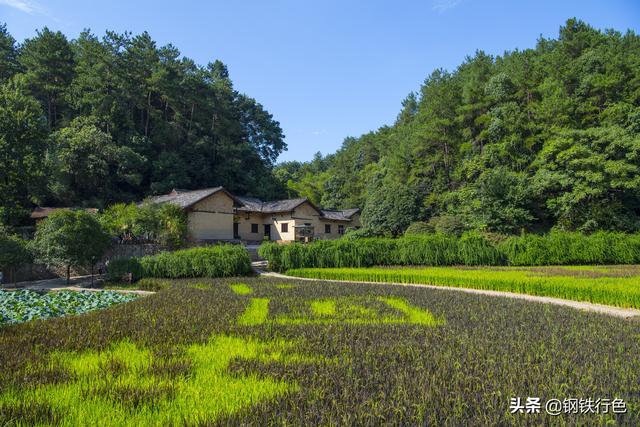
{"x": 625, "y": 313}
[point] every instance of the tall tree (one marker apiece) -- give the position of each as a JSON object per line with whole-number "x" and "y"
{"x": 8, "y": 55}
{"x": 48, "y": 63}
{"x": 22, "y": 150}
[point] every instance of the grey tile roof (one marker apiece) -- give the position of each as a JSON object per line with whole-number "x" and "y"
{"x": 282, "y": 205}
{"x": 185, "y": 199}
{"x": 344, "y": 215}
{"x": 251, "y": 204}
{"x": 44, "y": 212}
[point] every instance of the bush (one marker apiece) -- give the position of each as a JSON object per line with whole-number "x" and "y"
{"x": 419, "y": 227}
{"x": 70, "y": 239}
{"x": 164, "y": 224}
{"x": 358, "y": 233}
{"x": 438, "y": 249}
{"x": 271, "y": 251}
{"x": 447, "y": 224}
{"x": 13, "y": 253}
{"x": 211, "y": 261}
{"x": 563, "y": 248}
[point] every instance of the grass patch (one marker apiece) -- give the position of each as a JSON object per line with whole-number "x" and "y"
{"x": 357, "y": 311}
{"x": 414, "y": 315}
{"x": 597, "y": 288}
{"x": 241, "y": 289}
{"x": 323, "y": 307}
{"x": 256, "y": 313}
{"x": 132, "y": 394}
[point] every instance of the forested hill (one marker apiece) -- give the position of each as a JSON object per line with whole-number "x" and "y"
{"x": 96, "y": 120}
{"x": 530, "y": 140}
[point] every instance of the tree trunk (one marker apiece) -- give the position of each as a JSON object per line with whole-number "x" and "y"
{"x": 68, "y": 274}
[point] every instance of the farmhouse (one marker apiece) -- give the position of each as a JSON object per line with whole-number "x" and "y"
{"x": 216, "y": 214}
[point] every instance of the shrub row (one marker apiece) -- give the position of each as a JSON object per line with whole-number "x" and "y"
{"x": 557, "y": 248}
{"x": 211, "y": 261}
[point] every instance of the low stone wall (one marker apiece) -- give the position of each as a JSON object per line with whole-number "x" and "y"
{"x": 36, "y": 271}
{"x": 28, "y": 272}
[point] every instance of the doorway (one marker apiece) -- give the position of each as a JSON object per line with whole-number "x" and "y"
{"x": 267, "y": 231}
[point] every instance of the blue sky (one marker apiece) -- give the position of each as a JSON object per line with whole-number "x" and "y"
{"x": 325, "y": 69}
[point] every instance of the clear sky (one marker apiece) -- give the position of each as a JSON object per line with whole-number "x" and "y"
{"x": 325, "y": 69}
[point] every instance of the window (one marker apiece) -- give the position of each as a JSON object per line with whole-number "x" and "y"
{"x": 254, "y": 228}
{"x": 327, "y": 228}
{"x": 284, "y": 227}
{"x": 340, "y": 229}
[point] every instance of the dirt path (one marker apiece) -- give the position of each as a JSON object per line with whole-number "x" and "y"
{"x": 624, "y": 313}
{"x": 78, "y": 283}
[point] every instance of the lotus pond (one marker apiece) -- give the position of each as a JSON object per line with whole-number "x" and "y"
{"x": 25, "y": 305}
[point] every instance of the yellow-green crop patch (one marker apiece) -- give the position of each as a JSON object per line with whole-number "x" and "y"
{"x": 256, "y": 313}
{"x": 121, "y": 386}
{"x": 414, "y": 314}
{"x": 339, "y": 310}
{"x": 241, "y": 289}
{"x": 601, "y": 285}
{"x": 323, "y": 308}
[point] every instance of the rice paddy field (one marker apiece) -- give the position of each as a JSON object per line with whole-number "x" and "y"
{"x": 609, "y": 285}
{"x": 262, "y": 351}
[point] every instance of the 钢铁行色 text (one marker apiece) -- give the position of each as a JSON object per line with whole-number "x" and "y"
{"x": 535, "y": 405}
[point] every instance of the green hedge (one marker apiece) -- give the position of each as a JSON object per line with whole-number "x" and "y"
{"x": 211, "y": 261}
{"x": 557, "y": 248}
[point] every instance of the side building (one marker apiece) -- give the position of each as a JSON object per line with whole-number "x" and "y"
{"x": 215, "y": 214}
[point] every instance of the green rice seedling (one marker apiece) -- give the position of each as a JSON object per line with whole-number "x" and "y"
{"x": 133, "y": 395}
{"x": 617, "y": 291}
{"x": 414, "y": 315}
{"x": 323, "y": 307}
{"x": 241, "y": 289}
{"x": 357, "y": 311}
{"x": 256, "y": 313}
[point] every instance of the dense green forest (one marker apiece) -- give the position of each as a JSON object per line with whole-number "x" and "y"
{"x": 531, "y": 140}
{"x": 537, "y": 139}
{"x": 92, "y": 121}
